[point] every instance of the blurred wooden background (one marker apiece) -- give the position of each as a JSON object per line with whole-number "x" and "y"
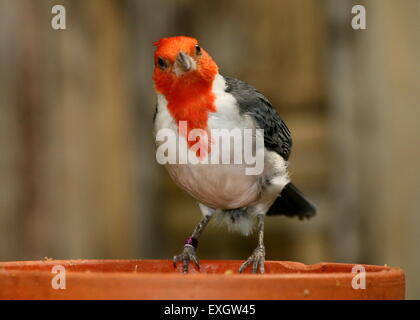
{"x": 78, "y": 177}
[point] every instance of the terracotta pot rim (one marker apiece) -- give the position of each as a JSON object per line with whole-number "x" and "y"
{"x": 157, "y": 279}
{"x": 305, "y": 271}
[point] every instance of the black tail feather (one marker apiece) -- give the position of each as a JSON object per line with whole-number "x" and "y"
{"x": 292, "y": 203}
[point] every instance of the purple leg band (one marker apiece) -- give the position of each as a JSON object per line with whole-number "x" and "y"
{"x": 192, "y": 242}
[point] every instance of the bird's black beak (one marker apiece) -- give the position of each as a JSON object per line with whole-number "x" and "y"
{"x": 184, "y": 63}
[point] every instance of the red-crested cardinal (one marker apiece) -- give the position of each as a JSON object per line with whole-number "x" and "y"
{"x": 191, "y": 91}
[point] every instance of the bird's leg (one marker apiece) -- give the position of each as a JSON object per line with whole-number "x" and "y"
{"x": 191, "y": 244}
{"x": 258, "y": 256}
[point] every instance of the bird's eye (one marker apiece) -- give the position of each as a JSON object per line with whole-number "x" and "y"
{"x": 197, "y": 50}
{"x": 162, "y": 63}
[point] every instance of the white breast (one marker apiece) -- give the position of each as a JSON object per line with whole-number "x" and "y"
{"x": 222, "y": 186}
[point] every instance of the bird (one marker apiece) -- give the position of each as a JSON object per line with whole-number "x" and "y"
{"x": 191, "y": 91}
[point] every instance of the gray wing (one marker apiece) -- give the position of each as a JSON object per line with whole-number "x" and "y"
{"x": 277, "y": 136}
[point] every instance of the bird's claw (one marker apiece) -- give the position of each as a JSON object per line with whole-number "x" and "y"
{"x": 257, "y": 259}
{"x": 186, "y": 256}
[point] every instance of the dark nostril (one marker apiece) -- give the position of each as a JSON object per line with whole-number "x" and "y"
{"x": 184, "y": 61}
{"x": 182, "y": 56}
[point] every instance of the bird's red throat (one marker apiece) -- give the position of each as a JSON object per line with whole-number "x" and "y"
{"x": 192, "y": 104}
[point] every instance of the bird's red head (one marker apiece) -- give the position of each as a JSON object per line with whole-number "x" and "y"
{"x": 180, "y": 62}
{"x": 184, "y": 74}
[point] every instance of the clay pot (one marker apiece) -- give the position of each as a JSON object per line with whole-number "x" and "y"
{"x": 157, "y": 279}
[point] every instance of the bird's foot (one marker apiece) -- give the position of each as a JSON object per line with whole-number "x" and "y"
{"x": 257, "y": 259}
{"x": 185, "y": 257}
